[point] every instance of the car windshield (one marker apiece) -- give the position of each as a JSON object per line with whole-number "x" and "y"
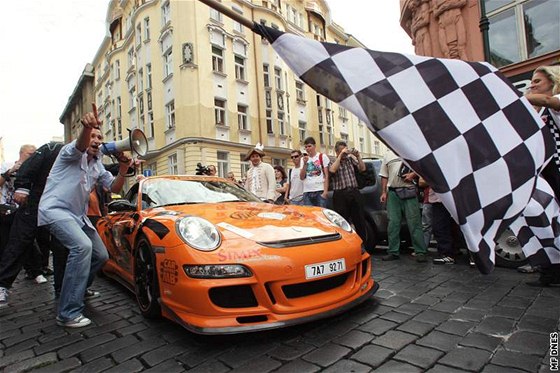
{"x": 166, "y": 192}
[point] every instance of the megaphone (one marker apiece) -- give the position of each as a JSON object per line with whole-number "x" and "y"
{"x": 136, "y": 142}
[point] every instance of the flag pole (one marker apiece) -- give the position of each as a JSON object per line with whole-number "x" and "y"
{"x": 229, "y": 13}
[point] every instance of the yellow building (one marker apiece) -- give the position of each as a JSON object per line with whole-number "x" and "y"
{"x": 206, "y": 89}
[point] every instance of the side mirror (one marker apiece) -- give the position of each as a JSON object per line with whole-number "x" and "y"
{"x": 120, "y": 205}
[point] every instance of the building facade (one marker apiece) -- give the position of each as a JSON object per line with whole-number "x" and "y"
{"x": 204, "y": 88}
{"x": 516, "y": 36}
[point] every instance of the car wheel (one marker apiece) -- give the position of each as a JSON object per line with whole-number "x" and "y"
{"x": 508, "y": 251}
{"x": 146, "y": 284}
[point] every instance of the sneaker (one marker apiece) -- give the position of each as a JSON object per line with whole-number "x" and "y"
{"x": 527, "y": 268}
{"x": 90, "y": 294}
{"x": 444, "y": 260}
{"x": 390, "y": 257}
{"x": 3, "y": 297}
{"x": 40, "y": 279}
{"x": 78, "y": 322}
{"x": 421, "y": 258}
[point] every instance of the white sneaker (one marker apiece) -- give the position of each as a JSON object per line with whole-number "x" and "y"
{"x": 3, "y": 297}
{"x": 78, "y": 322}
{"x": 40, "y": 279}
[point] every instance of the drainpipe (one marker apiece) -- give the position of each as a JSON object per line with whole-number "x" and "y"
{"x": 484, "y": 26}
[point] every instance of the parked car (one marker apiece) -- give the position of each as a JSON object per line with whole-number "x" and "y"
{"x": 508, "y": 249}
{"x": 212, "y": 257}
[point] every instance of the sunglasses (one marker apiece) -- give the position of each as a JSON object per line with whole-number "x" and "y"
{"x": 294, "y": 156}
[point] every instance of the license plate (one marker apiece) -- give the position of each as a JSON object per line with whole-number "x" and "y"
{"x": 324, "y": 269}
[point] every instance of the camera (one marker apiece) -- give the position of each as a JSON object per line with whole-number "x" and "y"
{"x": 202, "y": 170}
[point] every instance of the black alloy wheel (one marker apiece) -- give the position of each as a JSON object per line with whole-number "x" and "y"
{"x": 146, "y": 284}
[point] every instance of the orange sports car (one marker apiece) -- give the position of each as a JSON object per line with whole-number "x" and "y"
{"x": 211, "y": 256}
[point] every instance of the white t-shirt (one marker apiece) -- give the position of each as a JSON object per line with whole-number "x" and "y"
{"x": 314, "y": 175}
{"x": 296, "y": 184}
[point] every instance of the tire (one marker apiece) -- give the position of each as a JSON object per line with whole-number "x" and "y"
{"x": 146, "y": 284}
{"x": 508, "y": 251}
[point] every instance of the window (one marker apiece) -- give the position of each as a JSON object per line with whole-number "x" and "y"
{"x": 141, "y": 105}
{"x": 242, "y": 117}
{"x": 281, "y": 124}
{"x": 117, "y": 70}
{"x": 220, "y": 112}
{"x": 376, "y": 147}
{"x": 299, "y": 91}
{"x": 130, "y": 56}
{"x": 236, "y": 25}
{"x": 168, "y": 63}
{"x": 165, "y": 13}
{"x": 138, "y": 35}
{"x": 146, "y": 29}
{"x": 149, "y": 99}
{"x": 215, "y": 15}
{"x": 170, "y": 114}
{"x": 268, "y": 99}
{"x": 140, "y": 81}
{"x": 361, "y": 144}
{"x": 245, "y": 165}
{"x": 119, "y": 111}
{"x": 266, "y": 76}
{"x": 149, "y": 76}
{"x": 521, "y": 29}
{"x": 269, "y": 125}
{"x": 344, "y": 137}
{"x": 217, "y": 59}
{"x": 239, "y": 68}
{"x": 172, "y": 166}
{"x": 119, "y": 129}
{"x": 223, "y": 163}
{"x": 152, "y": 167}
{"x": 278, "y": 78}
{"x": 151, "y": 124}
{"x": 302, "y": 130}
{"x": 131, "y": 94}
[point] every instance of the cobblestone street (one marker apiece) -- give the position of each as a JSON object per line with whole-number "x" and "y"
{"x": 424, "y": 317}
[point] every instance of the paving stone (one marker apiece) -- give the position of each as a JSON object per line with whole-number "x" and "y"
{"x": 456, "y": 327}
{"x": 78, "y": 347}
{"x": 490, "y": 368}
{"x": 353, "y": 339}
{"x": 395, "y": 301}
{"x": 422, "y": 357}
{"x": 293, "y": 351}
{"x": 299, "y": 366}
{"x": 518, "y": 360}
{"x": 416, "y": 327}
{"x": 394, "y": 339}
{"x": 326, "y": 355}
{"x": 516, "y": 302}
{"x": 262, "y": 364}
{"x": 396, "y": 366}
{"x": 128, "y": 366}
{"x": 507, "y": 312}
{"x": 347, "y": 366}
{"x": 34, "y": 362}
{"x": 208, "y": 367}
{"x": 483, "y": 341}
{"x": 528, "y": 343}
{"x": 426, "y": 300}
{"x": 28, "y": 344}
{"x": 431, "y": 317}
{"x": 545, "y": 307}
{"x": 537, "y": 324}
{"x": 494, "y": 325}
{"x": 397, "y": 317}
{"x": 444, "y": 369}
{"x": 198, "y": 356}
{"x": 58, "y": 343}
{"x": 469, "y": 314}
{"x": 61, "y": 366}
{"x": 372, "y": 355}
{"x": 240, "y": 355}
{"x": 168, "y": 366}
{"x": 136, "y": 349}
{"x": 107, "y": 348}
{"x": 378, "y": 326}
{"x": 411, "y": 308}
{"x": 439, "y": 340}
{"x": 467, "y": 358}
{"x": 460, "y": 296}
{"x": 161, "y": 354}
{"x": 95, "y": 366}
{"x": 448, "y": 306}
{"x": 480, "y": 304}
{"x": 14, "y": 358}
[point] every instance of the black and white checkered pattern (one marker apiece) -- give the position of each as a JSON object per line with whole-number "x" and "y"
{"x": 553, "y": 127}
{"x": 460, "y": 125}
{"x": 538, "y": 227}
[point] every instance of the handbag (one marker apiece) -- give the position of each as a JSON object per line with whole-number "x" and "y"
{"x": 406, "y": 193}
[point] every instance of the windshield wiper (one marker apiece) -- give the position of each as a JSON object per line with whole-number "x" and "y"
{"x": 178, "y": 204}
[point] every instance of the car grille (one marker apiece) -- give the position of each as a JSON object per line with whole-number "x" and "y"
{"x": 314, "y": 287}
{"x": 301, "y": 241}
{"x": 233, "y": 296}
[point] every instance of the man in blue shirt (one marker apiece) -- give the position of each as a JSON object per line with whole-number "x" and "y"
{"x": 63, "y": 209}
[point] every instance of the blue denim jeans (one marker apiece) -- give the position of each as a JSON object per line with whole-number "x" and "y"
{"x": 314, "y": 199}
{"x": 86, "y": 255}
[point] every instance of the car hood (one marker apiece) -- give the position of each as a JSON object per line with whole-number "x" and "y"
{"x": 261, "y": 222}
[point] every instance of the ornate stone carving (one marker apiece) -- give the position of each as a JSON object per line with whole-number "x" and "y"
{"x": 452, "y": 34}
{"x": 419, "y": 27}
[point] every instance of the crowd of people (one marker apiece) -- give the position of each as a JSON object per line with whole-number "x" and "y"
{"x": 41, "y": 212}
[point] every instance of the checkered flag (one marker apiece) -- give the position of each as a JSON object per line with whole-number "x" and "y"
{"x": 538, "y": 227}
{"x": 460, "y": 125}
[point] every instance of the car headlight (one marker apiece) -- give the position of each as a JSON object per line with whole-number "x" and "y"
{"x": 198, "y": 233}
{"x": 217, "y": 271}
{"x": 338, "y": 220}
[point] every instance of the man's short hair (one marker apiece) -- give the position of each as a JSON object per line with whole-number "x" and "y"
{"x": 309, "y": 140}
{"x": 340, "y": 143}
{"x": 296, "y": 151}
